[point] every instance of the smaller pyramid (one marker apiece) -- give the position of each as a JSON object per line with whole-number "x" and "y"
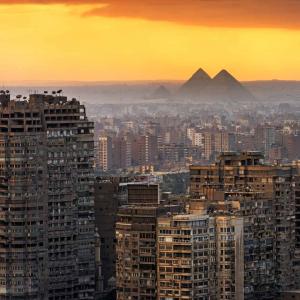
{"x": 161, "y": 93}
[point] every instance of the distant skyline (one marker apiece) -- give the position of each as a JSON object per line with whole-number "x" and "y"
{"x": 128, "y": 40}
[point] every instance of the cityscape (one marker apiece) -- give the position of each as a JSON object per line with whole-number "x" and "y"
{"x": 149, "y": 150}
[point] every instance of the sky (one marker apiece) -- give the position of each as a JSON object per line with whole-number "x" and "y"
{"x": 124, "y": 40}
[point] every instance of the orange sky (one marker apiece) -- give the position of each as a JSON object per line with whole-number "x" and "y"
{"x": 151, "y": 39}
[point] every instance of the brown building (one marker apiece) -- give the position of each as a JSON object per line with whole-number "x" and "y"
{"x": 291, "y": 144}
{"x": 200, "y": 257}
{"x": 121, "y": 152}
{"x": 216, "y": 142}
{"x": 136, "y": 243}
{"x": 266, "y": 198}
{"x": 144, "y": 150}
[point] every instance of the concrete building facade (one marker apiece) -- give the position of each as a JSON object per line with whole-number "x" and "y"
{"x": 264, "y": 195}
{"x": 47, "y": 197}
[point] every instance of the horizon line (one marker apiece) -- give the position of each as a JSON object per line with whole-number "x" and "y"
{"x": 117, "y": 81}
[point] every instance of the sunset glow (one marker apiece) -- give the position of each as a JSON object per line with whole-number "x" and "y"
{"x": 73, "y": 42}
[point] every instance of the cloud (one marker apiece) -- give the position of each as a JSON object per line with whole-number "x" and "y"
{"x": 224, "y": 13}
{"x": 67, "y": 2}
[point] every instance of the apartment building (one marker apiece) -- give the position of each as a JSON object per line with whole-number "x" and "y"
{"x": 47, "y": 197}
{"x": 136, "y": 243}
{"x": 105, "y": 153}
{"x": 265, "y": 196}
{"x": 200, "y": 257}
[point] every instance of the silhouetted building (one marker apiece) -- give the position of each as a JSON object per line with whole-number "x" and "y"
{"x": 106, "y": 208}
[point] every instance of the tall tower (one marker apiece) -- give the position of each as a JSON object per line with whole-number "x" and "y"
{"x": 136, "y": 243}
{"x": 46, "y": 194}
{"x": 105, "y": 153}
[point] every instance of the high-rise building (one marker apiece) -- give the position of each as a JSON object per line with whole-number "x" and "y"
{"x": 216, "y": 142}
{"x": 208, "y": 141}
{"x": 200, "y": 256}
{"x": 185, "y": 245}
{"x": 190, "y": 131}
{"x": 297, "y": 226}
{"x": 136, "y": 243}
{"x": 47, "y": 198}
{"x": 265, "y": 195}
{"x": 144, "y": 150}
{"x": 197, "y": 139}
{"x": 105, "y": 153}
{"x": 121, "y": 152}
{"x": 265, "y": 137}
{"x": 269, "y": 138}
{"x": 106, "y": 207}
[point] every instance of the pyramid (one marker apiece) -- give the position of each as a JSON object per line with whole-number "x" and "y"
{"x": 223, "y": 87}
{"x": 161, "y": 93}
{"x": 196, "y": 84}
{"x": 226, "y": 87}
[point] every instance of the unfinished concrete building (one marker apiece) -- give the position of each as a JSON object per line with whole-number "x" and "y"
{"x": 47, "y": 198}
{"x": 297, "y": 226}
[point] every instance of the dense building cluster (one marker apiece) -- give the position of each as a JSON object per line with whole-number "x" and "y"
{"x": 235, "y": 237}
{"x": 170, "y": 143}
{"x": 157, "y": 207}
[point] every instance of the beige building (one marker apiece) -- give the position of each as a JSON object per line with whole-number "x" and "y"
{"x": 105, "y": 153}
{"x": 200, "y": 257}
